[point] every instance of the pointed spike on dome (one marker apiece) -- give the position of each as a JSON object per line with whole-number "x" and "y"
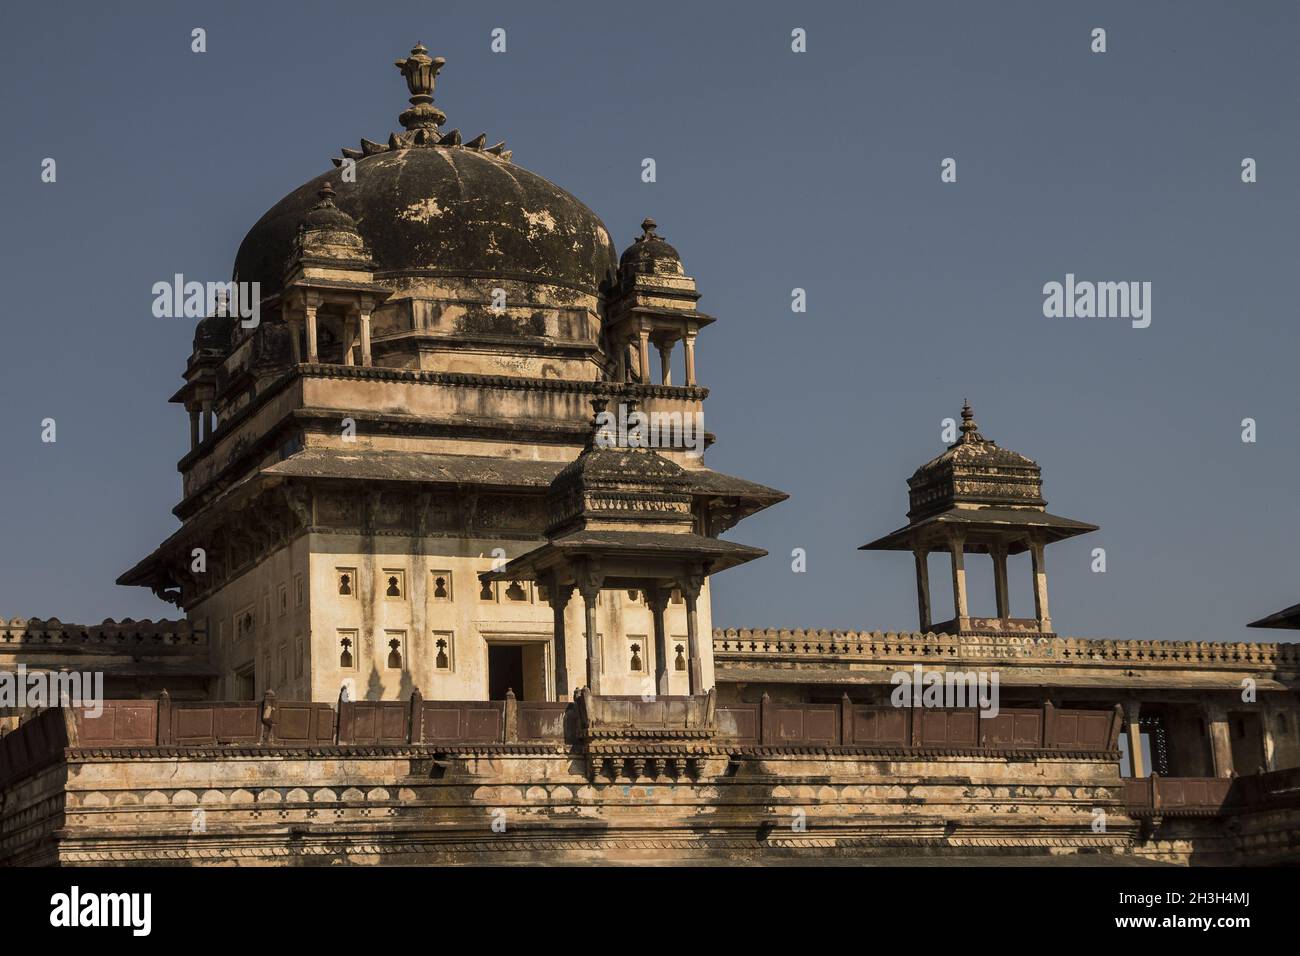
{"x": 351, "y": 153}
{"x": 369, "y": 148}
{"x": 478, "y": 141}
{"x": 506, "y": 154}
{"x": 497, "y": 149}
{"x": 394, "y": 142}
{"x": 337, "y": 161}
{"x": 450, "y": 139}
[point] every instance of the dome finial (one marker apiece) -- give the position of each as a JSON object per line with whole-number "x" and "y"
{"x": 648, "y": 227}
{"x": 421, "y": 73}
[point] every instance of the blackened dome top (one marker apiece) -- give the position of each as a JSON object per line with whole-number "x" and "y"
{"x": 427, "y": 204}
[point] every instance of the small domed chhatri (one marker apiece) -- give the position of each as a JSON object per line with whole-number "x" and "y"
{"x": 977, "y": 497}
{"x": 650, "y": 254}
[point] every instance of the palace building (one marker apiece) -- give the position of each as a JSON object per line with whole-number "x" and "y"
{"x": 436, "y": 608}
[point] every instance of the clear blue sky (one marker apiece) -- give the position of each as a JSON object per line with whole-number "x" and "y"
{"x": 775, "y": 170}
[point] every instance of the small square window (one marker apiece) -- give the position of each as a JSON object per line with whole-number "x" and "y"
{"x": 440, "y": 586}
{"x": 517, "y": 591}
{"x": 346, "y": 580}
{"x": 393, "y": 584}
{"x": 443, "y": 651}
{"x": 348, "y": 650}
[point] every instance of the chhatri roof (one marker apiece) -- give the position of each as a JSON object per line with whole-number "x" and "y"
{"x": 974, "y": 471}
{"x": 991, "y": 494}
{"x": 649, "y": 254}
{"x": 621, "y": 499}
{"x": 611, "y": 483}
{"x": 428, "y": 203}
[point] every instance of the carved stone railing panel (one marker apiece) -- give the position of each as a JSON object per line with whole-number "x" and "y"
{"x": 126, "y": 633}
{"x": 744, "y": 644}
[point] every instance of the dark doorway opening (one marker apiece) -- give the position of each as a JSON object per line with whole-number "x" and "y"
{"x": 505, "y": 671}
{"x": 245, "y": 683}
{"x": 1247, "y": 736}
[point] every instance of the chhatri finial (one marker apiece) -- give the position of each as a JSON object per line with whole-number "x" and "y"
{"x": 421, "y": 73}
{"x": 326, "y": 196}
{"x": 648, "y": 227}
{"x": 970, "y": 431}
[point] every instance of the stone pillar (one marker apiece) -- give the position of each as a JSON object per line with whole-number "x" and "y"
{"x": 666, "y": 363}
{"x": 194, "y": 427}
{"x": 365, "y": 339}
{"x": 1132, "y": 713}
{"x": 559, "y": 600}
{"x": 1041, "y": 611}
{"x": 644, "y": 356}
{"x": 657, "y": 598}
{"x": 620, "y": 351}
{"x": 923, "y": 586}
{"x": 312, "y": 355}
{"x": 349, "y": 339}
{"x": 960, "y": 607}
{"x": 206, "y": 418}
{"x": 691, "y": 585}
{"x": 999, "y": 554}
{"x": 589, "y": 584}
{"x": 295, "y": 332}
{"x": 1220, "y": 739}
{"x": 688, "y": 342}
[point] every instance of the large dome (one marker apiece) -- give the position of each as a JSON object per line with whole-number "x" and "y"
{"x": 445, "y": 211}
